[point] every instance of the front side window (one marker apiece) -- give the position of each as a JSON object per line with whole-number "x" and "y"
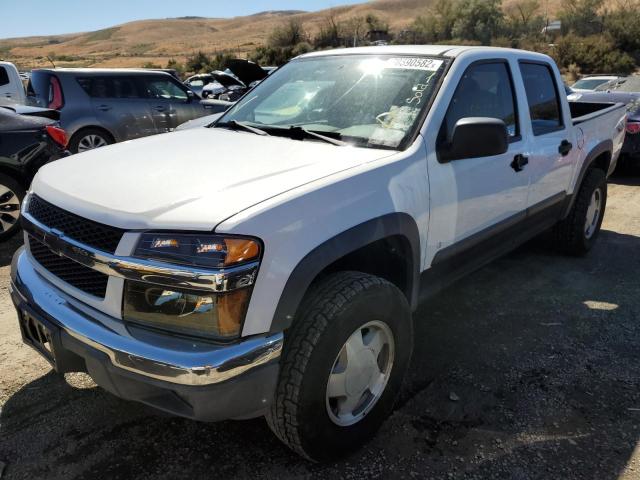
{"x": 161, "y": 88}
{"x": 485, "y": 90}
{"x": 371, "y": 101}
{"x": 542, "y": 96}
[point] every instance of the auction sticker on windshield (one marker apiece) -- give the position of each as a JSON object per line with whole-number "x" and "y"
{"x": 414, "y": 63}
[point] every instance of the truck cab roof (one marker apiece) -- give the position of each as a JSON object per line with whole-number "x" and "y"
{"x": 451, "y": 51}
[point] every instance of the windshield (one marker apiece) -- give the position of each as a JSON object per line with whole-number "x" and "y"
{"x": 366, "y": 100}
{"x": 590, "y": 83}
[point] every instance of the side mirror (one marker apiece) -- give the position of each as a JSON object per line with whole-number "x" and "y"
{"x": 475, "y": 137}
{"x": 190, "y": 96}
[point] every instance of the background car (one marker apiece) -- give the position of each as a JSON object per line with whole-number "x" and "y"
{"x": 238, "y": 78}
{"x": 197, "y": 82}
{"x": 11, "y": 83}
{"x": 591, "y": 82}
{"x": 102, "y": 106}
{"x": 29, "y": 138}
{"x": 627, "y": 91}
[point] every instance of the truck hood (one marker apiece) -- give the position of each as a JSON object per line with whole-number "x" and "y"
{"x": 192, "y": 179}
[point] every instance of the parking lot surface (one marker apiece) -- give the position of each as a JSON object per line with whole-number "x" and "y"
{"x": 526, "y": 369}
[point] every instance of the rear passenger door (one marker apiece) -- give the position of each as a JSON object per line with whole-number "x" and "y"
{"x": 550, "y": 143}
{"x": 119, "y": 105}
{"x": 169, "y": 102}
{"x": 472, "y": 199}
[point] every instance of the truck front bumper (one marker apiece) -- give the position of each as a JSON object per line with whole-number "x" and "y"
{"x": 184, "y": 377}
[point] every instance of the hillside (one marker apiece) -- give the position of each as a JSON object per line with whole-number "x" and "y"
{"x": 136, "y": 43}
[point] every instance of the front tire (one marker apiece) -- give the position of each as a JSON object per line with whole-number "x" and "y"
{"x": 577, "y": 233}
{"x": 343, "y": 364}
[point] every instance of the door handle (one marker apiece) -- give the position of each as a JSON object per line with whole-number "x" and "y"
{"x": 104, "y": 108}
{"x": 565, "y": 147}
{"x": 519, "y": 162}
{"x": 159, "y": 108}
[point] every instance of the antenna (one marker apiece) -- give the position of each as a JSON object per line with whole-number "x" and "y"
{"x": 49, "y": 58}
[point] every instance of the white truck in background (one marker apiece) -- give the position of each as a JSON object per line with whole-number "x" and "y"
{"x": 11, "y": 86}
{"x": 269, "y": 264}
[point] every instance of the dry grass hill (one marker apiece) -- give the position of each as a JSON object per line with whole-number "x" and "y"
{"x": 136, "y": 43}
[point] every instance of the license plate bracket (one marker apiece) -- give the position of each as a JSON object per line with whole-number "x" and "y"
{"x": 38, "y": 335}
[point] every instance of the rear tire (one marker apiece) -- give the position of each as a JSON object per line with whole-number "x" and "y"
{"x": 89, "y": 139}
{"x": 310, "y": 414}
{"x": 11, "y": 197}
{"x": 577, "y": 233}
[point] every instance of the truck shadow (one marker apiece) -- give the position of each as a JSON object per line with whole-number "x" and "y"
{"x": 524, "y": 369}
{"x": 630, "y": 176}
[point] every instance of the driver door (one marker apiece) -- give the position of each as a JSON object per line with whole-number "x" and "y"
{"x": 474, "y": 198}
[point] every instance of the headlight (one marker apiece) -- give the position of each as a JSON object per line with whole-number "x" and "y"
{"x": 212, "y": 251}
{"x": 189, "y": 311}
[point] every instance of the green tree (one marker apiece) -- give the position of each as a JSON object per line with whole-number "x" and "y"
{"x": 289, "y": 34}
{"x": 198, "y": 62}
{"x": 523, "y": 18}
{"x": 331, "y": 32}
{"x": 355, "y": 31}
{"x": 437, "y": 26}
{"x": 478, "y": 20}
{"x": 582, "y": 17}
{"x": 594, "y": 53}
{"x": 177, "y": 66}
{"x": 623, "y": 24}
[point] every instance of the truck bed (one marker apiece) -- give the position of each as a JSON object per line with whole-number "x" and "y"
{"x": 584, "y": 111}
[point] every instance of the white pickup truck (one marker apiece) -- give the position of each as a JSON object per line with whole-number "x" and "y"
{"x": 269, "y": 265}
{"x": 11, "y": 86}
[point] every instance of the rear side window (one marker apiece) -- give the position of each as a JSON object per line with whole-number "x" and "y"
{"x": 110, "y": 87}
{"x": 542, "y": 96}
{"x": 485, "y": 90}
{"x": 4, "y": 76}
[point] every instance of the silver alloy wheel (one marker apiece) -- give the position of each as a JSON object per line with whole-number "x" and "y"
{"x": 360, "y": 373}
{"x": 9, "y": 208}
{"x": 91, "y": 141}
{"x": 593, "y": 214}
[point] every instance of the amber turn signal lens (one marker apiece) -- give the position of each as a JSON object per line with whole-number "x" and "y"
{"x": 240, "y": 250}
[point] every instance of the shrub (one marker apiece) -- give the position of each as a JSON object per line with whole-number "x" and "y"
{"x": 287, "y": 35}
{"x": 595, "y": 53}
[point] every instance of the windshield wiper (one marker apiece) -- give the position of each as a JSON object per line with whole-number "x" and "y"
{"x": 297, "y": 132}
{"x": 319, "y": 136}
{"x": 235, "y": 125}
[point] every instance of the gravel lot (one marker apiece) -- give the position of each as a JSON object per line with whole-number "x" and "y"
{"x": 529, "y": 368}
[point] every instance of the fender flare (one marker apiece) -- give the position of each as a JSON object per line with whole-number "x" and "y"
{"x": 606, "y": 146}
{"x": 390, "y": 225}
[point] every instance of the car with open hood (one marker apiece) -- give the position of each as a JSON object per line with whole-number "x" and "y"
{"x": 238, "y": 78}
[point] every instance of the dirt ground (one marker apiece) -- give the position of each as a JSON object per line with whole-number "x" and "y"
{"x": 527, "y": 369}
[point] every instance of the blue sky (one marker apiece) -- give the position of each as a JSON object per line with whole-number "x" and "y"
{"x": 21, "y": 18}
